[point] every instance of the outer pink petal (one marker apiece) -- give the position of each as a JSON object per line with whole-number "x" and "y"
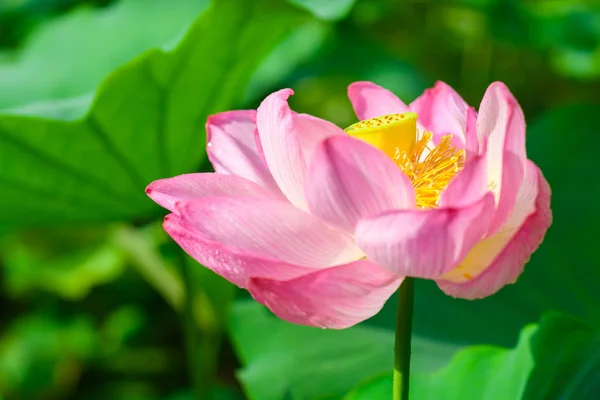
{"x": 514, "y": 244}
{"x": 337, "y": 297}
{"x": 270, "y": 229}
{"x": 501, "y": 121}
{"x": 443, "y": 112}
{"x": 348, "y": 179}
{"x": 167, "y": 192}
{"x": 370, "y": 100}
{"x": 288, "y": 140}
{"x": 228, "y": 261}
{"x": 424, "y": 243}
{"x": 233, "y": 149}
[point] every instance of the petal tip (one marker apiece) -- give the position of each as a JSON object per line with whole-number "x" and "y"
{"x": 360, "y": 84}
{"x": 441, "y": 85}
{"x": 283, "y": 94}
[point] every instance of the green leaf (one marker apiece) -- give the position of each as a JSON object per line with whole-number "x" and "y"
{"x": 558, "y": 359}
{"x": 40, "y": 354}
{"x": 567, "y": 361}
{"x": 82, "y": 162}
{"x": 479, "y": 373}
{"x": 281, "y": 359}
{"x": 474, "y": 373}
{"x": 98, "y": 42}
{"x": 377, "y": 387}
{"x": 67, "y": 263}
{"x": 301, "y": 45}
{"x": 326, "y": 10}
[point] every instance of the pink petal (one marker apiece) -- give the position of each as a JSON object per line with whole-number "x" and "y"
{"x": 167, "y": 192}
{"x": 472, "y": 147}
{"x": 370, "y": 101}
{"x": 443, "y": 112}
{"x": 312, "y": 131}
{"x": 348, "y": 179}
{"x": 233, "y": 149}
{"x": 501, "y": 258}
{"x": 424, "y": 243}
{"x": 229, "y": 262}
{"x": 469, "y": 186}
{"x": 336, "y": 297}
{"x": 269, "y": 228}
{"x": 288, "y": 140}
{"x": 502, "y": 123}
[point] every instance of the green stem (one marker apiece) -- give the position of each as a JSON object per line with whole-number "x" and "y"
{"x": 402, "y": 350}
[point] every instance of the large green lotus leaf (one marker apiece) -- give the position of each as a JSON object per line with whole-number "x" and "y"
{"x": 70, "y": 55}
{"x": 76, "y": 161}
{"x": 559, "y": 359}
{"x": 563, "y": 273}
{"x": 281, "y": 359}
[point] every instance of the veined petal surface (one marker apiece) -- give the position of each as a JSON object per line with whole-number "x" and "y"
{"x": 348, "y": 179}
{"x": 232, "y": 263}
{"x": 424, "y": 243}
{"x": 288, "y": 140}
{"x": 336, "y": 297}
{"x": 269, "y": 228}
{"x": 167, "y": 192}
{"x": 502, "y": 124}
{"x": 233, "y": 148}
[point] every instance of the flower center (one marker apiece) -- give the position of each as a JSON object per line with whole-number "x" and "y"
{"x": 430, "y": 168}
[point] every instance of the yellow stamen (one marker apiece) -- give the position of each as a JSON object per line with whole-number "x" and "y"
{"x": 429, "y": 169}
{"x": 431, "y": 172}
{"x": 392, "y": 134}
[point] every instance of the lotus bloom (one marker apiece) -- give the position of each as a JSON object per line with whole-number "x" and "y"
{"x": 322, "y": 224}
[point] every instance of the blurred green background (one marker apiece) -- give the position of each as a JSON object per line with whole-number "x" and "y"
{"x": 100, "y": 97}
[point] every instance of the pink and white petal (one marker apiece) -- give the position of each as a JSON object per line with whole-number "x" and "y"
{"x": 167, "y": 192}
{"x": 232, "y": 147}
{"x": 229, "y": 262}
{"x": 443, "y": 112}
{"x": 287, "y": 141}
{"x": 501, "y": 121}
{"x": 370, "y": 100}
{"x": 469, "y": 186}
{"x": 270, "y": 229}
{"x": 336, "y": 297}
{"x": 348, "y": 179}
{"x": 473, "y": 147}
{"x": 281, "y": 147}
{"x": 424, "y": 243}
{"x": 500, "y": 259}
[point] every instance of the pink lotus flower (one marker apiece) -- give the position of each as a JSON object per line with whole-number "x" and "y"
{"x": 321, "y": 225}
